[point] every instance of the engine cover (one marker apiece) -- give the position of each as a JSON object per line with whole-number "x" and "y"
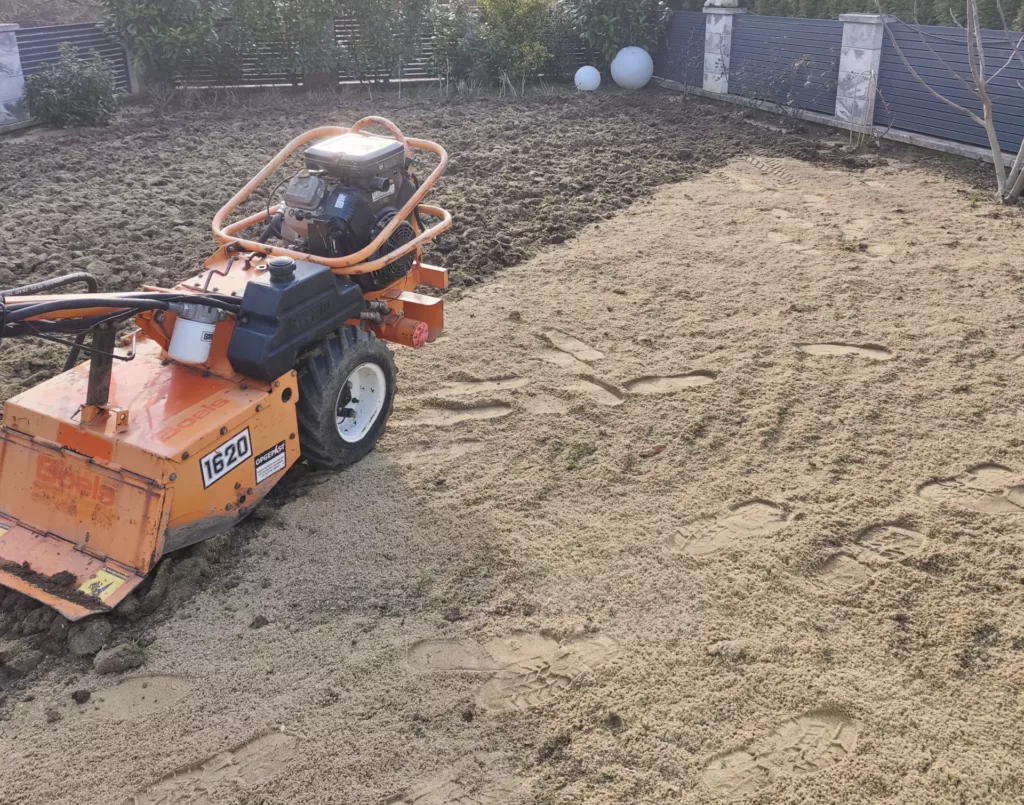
{"x": 354, "y": 158}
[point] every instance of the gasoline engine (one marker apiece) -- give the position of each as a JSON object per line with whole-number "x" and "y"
{"x": 352, "y": 187}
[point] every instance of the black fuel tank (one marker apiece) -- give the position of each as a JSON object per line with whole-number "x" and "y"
{"x": 282, "y": 315}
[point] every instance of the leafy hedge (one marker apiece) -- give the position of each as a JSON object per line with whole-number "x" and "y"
{"x": 501, "y": 41}
{"x": 72, "y": 92}
{"x": 607, "y": 26}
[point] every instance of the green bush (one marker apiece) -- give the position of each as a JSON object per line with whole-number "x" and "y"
{"x": 296, "y": 37}
{"x": 166, "y": 37}
{"x": 607, "y": 26}
{"x": 388, "y": 36}
{"x": 513, "y": 34}
{"x": 72, "y": 92}
{"x": 563, "y": 42}
{"x": 456, "y": 38}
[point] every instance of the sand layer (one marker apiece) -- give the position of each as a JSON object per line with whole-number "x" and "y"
{"x": 722, "y": 501}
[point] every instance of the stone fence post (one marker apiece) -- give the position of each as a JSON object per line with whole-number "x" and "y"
{"x": 858, "y": 70}
{"x": 718, "y": 43}
{"x": 12, "y": 81}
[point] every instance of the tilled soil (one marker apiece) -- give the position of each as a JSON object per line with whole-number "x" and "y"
{"x": 132, "y": 203}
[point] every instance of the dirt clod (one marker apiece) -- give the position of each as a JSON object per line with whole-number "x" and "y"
{"x": 9, "y": 650}
{"x": 58, "y": 630}
{"x": 24, "y": 662}
{"x": 52, "y": 715}
{"x": 259, "y": 622}
{"x": 120, "y": 658}
{"x": 81, "y": 696}
{"x": 453, "y": 614}
{"x": 87, "y": 637}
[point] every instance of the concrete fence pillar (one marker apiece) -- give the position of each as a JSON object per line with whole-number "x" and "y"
{"x": 12, "y": 81}
{"x": 718, "y": 44}
{"x": 134, "y": 74}
{"x": 858, "y": 69}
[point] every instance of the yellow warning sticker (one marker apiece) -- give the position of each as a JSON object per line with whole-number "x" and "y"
{"x": 104, "y": 584}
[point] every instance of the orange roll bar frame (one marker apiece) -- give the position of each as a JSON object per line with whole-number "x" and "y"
{"x": 352, "y": 263}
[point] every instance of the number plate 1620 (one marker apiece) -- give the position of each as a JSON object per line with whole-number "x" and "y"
{"x": 225, "y": 458}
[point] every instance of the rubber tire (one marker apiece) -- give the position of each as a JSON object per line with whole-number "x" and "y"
{"x": 321, "y": 377}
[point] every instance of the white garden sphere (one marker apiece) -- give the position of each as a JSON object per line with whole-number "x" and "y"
{"x": 632, "y": 68}
{"x": 588, "y": 79}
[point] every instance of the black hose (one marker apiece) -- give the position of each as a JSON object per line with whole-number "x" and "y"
{"x": 31, "y": 311}
{"x": 161, "y": 301}
{"x": 56, "y": 282}
{"x": 51, "y": 284}
{"x": 76, "y": 350}
{"x": 416, "y": 210}
{"x": 270, "y": 198}
{"x": 273, "y": 229}
{"x": 65, "y": 326}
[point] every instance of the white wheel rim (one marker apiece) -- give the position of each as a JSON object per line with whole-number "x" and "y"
{"x": 360, "y": 402}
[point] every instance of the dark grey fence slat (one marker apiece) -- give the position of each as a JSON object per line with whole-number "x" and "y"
{"x": 792, "y": 62}
{"x": 904, "y": 104}
{"x": 41, "y": 46}
{"x": 680, "y": 54}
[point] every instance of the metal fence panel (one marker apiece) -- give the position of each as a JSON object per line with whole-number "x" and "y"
{"x": 937, "y": 53}
{"x": 681, "y": 51}
{"x": 788, "y": 61}
{"x": 40, "y": 46}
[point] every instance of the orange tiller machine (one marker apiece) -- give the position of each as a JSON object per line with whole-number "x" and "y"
{"x": 276, "y": 351}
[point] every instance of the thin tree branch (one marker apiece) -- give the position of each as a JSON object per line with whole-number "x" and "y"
{"x": 917, "y": 77}
{"x": 976, "y": 64}
{"x": 924, "y": 41}
{"x": 1009, "y": 59}
{"x": 1016, "y": 176}
{"x": 1006, "y": 30}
